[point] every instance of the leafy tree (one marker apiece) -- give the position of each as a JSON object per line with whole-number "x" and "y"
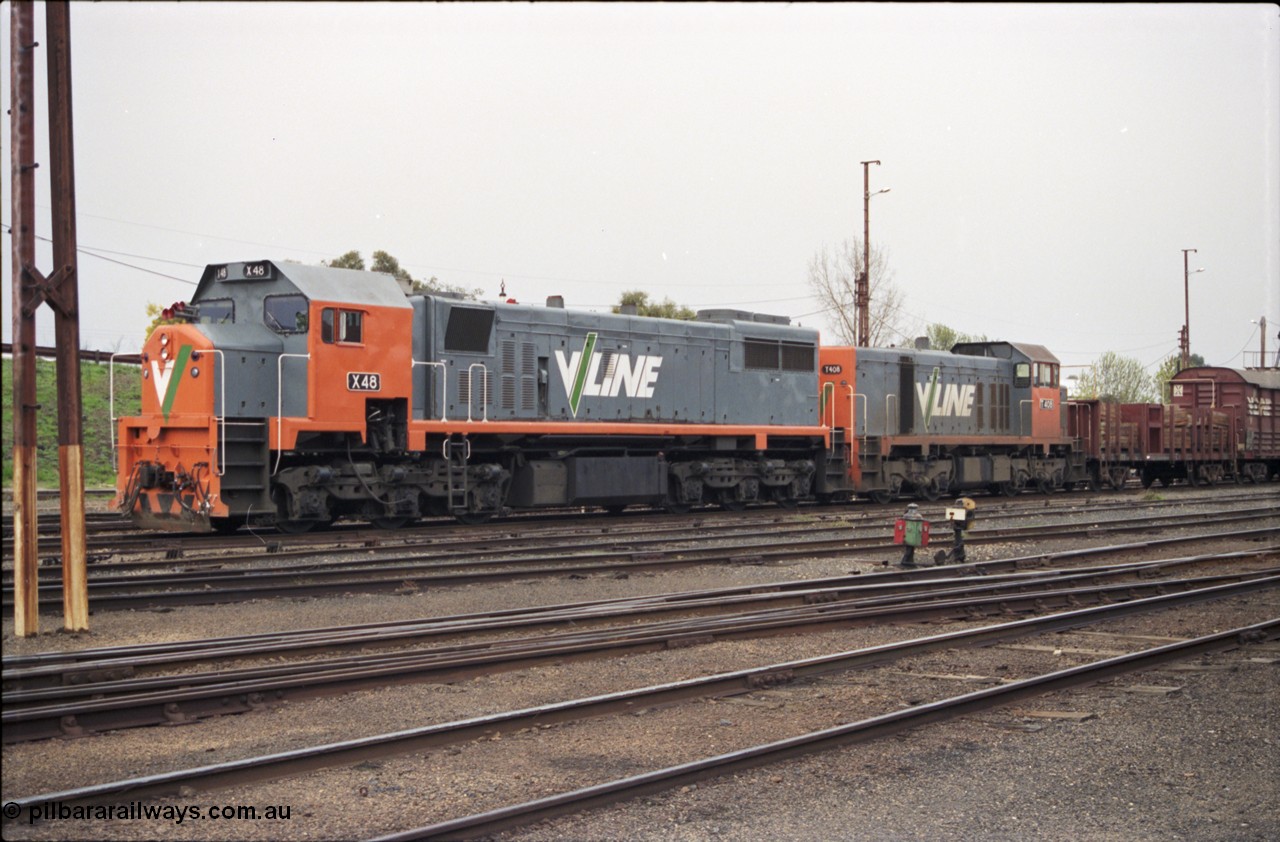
{"x": 1172, "y": 366}
{"x": 386, "y": 263}
{"x": 943, "y": 338}
{"x": 1116, "y": 379}
{"x": 833, "y": 275}
{"x": 665, "y": 309}
{"x": 156, "y": 314}
{"x": 350, "y": 260}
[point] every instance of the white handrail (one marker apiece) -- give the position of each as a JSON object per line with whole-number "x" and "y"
{"x": 280, "y": 406}
{"x": 444, "y": 394}
{"x": 471, "y": 390}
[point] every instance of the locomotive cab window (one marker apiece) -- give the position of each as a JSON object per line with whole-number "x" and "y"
{"x": 1022, "y": 375}
{"x": 1046, "y": 374}
{"x": 285, "y": 313}
{"x": 344, "y": 326}
{"x": 216, "y": 311}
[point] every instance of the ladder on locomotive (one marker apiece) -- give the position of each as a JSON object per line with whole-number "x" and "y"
{"x": 456, "y": 454}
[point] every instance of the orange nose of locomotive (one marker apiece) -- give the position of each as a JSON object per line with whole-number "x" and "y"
{"x": 167, "y": 456}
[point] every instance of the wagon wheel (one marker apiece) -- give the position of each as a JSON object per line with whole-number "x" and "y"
{"x": 880, "y": 496}
{"x": 390, "y": 522}
{"x": 473, "y": 518}
{"x": 930, "y": 490}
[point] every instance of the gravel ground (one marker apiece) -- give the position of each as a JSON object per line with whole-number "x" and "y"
{"x": 1197, "y": 762}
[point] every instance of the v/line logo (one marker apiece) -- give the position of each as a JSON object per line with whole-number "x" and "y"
{"x": 165, "y": 383}
{"x": 585, "y": 373}
{"x": 953, "y": 399}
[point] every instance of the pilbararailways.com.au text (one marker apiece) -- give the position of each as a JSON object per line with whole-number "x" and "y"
{"x": 139, "y": 811}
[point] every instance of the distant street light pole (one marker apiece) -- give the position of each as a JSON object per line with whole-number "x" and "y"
{"x": 862, "y": 288}
{"x": 1186, "y": 298}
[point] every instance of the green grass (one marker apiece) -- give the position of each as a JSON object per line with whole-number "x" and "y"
{"x": 96, "y": 413}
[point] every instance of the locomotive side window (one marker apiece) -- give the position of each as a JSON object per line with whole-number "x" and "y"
{"x": 1022, "y": 375}
{"x": 352, "y": 326}
{"x": 468, "y": 330}
{"x": 285, "y": 313}
{"x": 341, "y": 326}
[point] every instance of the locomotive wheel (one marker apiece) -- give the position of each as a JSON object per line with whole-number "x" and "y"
{"x": 226, "y": 525}
{"x": 473, "y": 518}
{"x": 1009, "y": 489}
{"x": 880, "y": 496}
{"x": 785, "y": 502}
{"x": 677, "y": 508}
{"x": 295, "y": 527}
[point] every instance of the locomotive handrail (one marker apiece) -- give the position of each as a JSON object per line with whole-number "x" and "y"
{"x": 222, "y": 419}
{"x": 829, "y": 404}
{"x": 280, "y": 406}
{"x": 111, "y": 405}
{"x": 471, "y": 390}
{"x": 444, "y": 392}
{"x": 854, "y": 407}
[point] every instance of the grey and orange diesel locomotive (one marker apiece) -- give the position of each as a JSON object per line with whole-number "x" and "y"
{"x": 295, "y": 395}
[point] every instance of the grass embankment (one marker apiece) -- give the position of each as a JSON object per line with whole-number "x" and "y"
{"x": 95, "y": 397}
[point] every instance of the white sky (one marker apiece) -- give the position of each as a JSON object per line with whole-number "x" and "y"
{"x": 1047, "y": 164}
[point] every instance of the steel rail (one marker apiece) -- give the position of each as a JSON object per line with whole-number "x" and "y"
{"x": 85, "y": 666}
{"x": 187, "y": 697}
{"x": 469, "y": 546}
{"x": 147, "y": 591}
{"x": 298, "y": 761}
{"x": 493, "y": 821}
{"x": 362, "y": 538}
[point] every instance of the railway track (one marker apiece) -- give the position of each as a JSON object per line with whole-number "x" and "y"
{"x": 102, "y": 690}
{"x": 466, "y": 558}
{"x": 114, "y": 540}
{"x": 186, "y": 782}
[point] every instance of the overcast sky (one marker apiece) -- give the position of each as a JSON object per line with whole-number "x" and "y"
{"x": 1047, "y": 164}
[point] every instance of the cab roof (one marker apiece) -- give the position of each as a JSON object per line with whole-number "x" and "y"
{"x": 318, "y": 283}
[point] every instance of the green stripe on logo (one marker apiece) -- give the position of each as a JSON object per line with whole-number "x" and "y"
{"x": 580, "y": 376}
{"x": 179, "y": 366}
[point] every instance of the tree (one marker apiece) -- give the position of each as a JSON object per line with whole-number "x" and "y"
{"x": 350, "y": 260}
{"x": 387, "y": 264}
{"x": 944, "y": 338}
{"x": 156, "y": 314}
{"x": 1116, "y": 379}
{"x": 1172, "y": 366}
{"x": 665, "y": 309}
{"x": 833, "y": 277}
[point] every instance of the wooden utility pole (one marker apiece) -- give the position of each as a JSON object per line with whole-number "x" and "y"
{"x": 862, "y": 285}
{"x": 60, "y": 290}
